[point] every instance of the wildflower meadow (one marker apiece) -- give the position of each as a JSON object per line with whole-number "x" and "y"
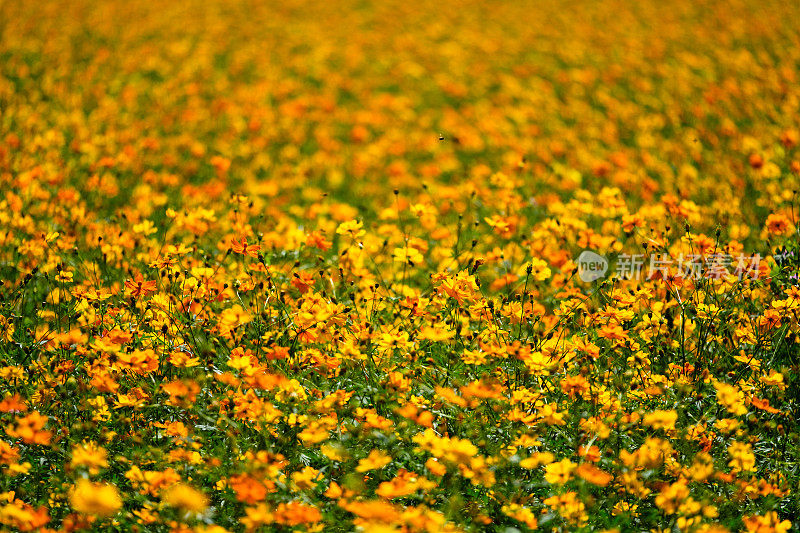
{"x": 354, "y": 266}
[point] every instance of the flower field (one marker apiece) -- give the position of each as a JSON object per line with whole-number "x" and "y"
{"x": 399, "y": 266}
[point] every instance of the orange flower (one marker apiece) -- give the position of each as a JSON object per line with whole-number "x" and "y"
{"x": 768, "y": 523}
{"x": 241, "y": 247}
{"x": 138, "y": 288}
{"x": 249, "y": 490}
{"x": 778, "y": 224}
{"x": 318, "y": 240}
{"x": 296, "y": 513}
{"x": 594, "y": 475}
{"x": 220, "y": 164}
{"x": 30, "y": 429}
{"x": 764, "y": 405}
{"x": 13, "y": 404}
{"x": 375, "y": 460}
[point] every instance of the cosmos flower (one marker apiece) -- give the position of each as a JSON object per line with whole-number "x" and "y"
{"x": 97, "y": 499}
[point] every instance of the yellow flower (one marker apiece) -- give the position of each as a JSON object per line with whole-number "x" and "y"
{"x": 560, "y": 472}
{"x": 726, "y": 425}
{"x": 145, "y": 227}
{"x": 539, "y": 269}
{"x": 731, "y": 398}
{"x": 314, "y": 434}
{"x": 89, "y": 456}
{"x": 305, "y": 479}
{"x": 624, "y": 508}
{"x": 661, "y": 419}
{"x": 408, "y": 254}
{"x": 774, "y": 379}
{"x": 536, "y": 460}
{"x": 702, "y": 467}
{"x": 570, "y": 507}
{"x": 64, "y": 276}
{"x": 672, "y": 497}
{"x": 334, "y": 452}
{"x": 375, "y": 460}
{"x": 15, "y": 469}
{"x": 742, "y": 458}
{"x": 353, "y": 228}
{"x": 183, "y": 359}
{"x": 523, "y": 514}
{"x": 98, "y": 499}
{"x": 186, "y": 498}
{"x": 233, "y": 317}
{"x": 6, "y": 329}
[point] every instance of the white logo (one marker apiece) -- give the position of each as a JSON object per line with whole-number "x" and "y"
{"x": 591, "y": 266}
